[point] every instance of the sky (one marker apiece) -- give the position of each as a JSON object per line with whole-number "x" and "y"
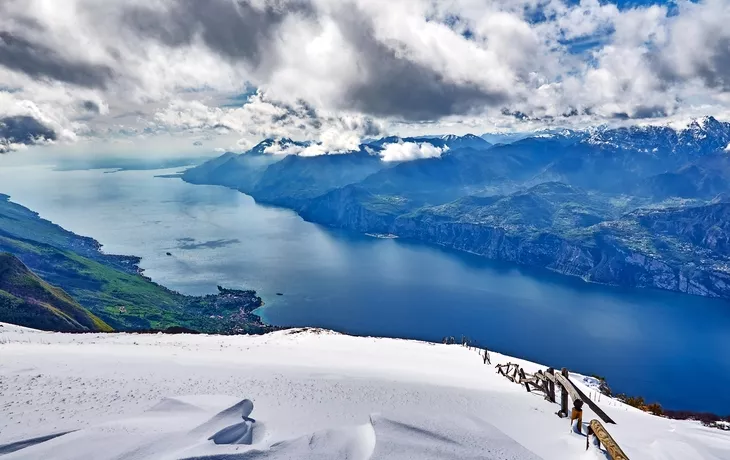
{"x": 193, "y": 76}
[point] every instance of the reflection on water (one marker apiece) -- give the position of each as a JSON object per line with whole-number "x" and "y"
{"x": 639, "y": 340}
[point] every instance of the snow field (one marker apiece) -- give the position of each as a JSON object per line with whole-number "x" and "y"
{"x": 316, "y": 394}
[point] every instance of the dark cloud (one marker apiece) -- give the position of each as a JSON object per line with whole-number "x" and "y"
{"x": 649, "y": 112}
{"x": 38, "y": 61}
{"x": 234, "y": 29}
{"x": 198, "y": 143}
{"x": 370, "y": 128}
{"x": 395, "y": 86}
{"x": 716, "y": 72}
{"x": 392, "y": 84}
{"x": 23, "y": 130}
{"x": 517, "y": 114}
{"x": 91, "y": 106}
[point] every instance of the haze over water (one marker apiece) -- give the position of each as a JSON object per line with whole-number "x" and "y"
{"x": 655, "y": 344}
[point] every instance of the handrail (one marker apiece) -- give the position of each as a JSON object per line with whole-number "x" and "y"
{"x": 568, "y": 385}
{"x": 546, "y": 381}
{"x": 599, "y": 431}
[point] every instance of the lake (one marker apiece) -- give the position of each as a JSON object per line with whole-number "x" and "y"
{"x": 667, "y": 347}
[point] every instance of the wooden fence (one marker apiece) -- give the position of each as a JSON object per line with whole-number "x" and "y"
{"x": 546, "y": 381}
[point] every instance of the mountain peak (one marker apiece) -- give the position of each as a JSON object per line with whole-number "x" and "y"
{"x": 272, "y": 145}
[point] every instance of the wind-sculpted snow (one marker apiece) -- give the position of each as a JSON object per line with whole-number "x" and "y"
{"x": 317, "y": 395}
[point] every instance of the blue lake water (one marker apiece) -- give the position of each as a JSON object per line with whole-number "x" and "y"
{"x": 667, "y": 347}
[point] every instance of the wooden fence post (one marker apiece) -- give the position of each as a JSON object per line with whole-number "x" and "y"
{"x": 523, "y": 379}
{"x": 551, "y": 384}
{"x": 564, "y": 395}
{"x": 486, "y": 357}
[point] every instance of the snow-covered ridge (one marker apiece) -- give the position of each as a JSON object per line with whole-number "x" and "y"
{"x": 316, "y": 394}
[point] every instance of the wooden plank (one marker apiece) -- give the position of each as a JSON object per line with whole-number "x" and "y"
{"x": 569, "y": 387}
{"x": 608, "y": 442}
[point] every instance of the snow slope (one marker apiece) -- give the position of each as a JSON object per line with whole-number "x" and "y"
{"x": 316, "y": 395}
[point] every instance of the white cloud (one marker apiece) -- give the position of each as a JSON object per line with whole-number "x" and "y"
{"x": 333, "y": 71}
{"x": 283, "y": 148}
{"x": 407, "y": 151}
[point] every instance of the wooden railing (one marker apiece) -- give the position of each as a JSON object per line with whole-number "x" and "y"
{"x": 546, "y": 382}
{"x": 597, "y": 429}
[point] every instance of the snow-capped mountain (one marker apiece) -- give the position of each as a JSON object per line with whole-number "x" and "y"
{"x": 282, "y": 146}
{"x": 450, "y": 141}
{"x": 700, "y": 137}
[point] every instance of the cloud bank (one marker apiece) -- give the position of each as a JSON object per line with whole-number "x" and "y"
{"x": 407, "y": 151}
{"x": 334, "y": 71}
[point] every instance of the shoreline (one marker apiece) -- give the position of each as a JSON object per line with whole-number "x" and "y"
{"x": 114, "y": 286}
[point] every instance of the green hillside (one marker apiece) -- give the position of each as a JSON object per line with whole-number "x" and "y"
{"x": 111, "y": 286}
{"x": 27, "y": 300}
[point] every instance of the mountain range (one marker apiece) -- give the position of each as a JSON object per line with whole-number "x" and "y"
{"x": 641, "y": 206}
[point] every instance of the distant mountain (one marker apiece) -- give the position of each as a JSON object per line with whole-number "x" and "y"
{"x": 545, "y": 206}
{"x": 286, "y": 180}
{"x": 27, "y": 300}
{"x": 705, "y": 227}
{"x": 450, "y": 141}
{"x": 296, "y": 179}
{"x": 564, "y": 230}
{"x": 703, "y": 178}
{"x": 468, "y": 141}
{"x": 465, "y": 171}
{"x": 620, "y": 160}
{"x": 641, "y": 206}
{"x": 496, "y": 138}
{"x": 240, "y": 171}
{"x": 701, "y": 137}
